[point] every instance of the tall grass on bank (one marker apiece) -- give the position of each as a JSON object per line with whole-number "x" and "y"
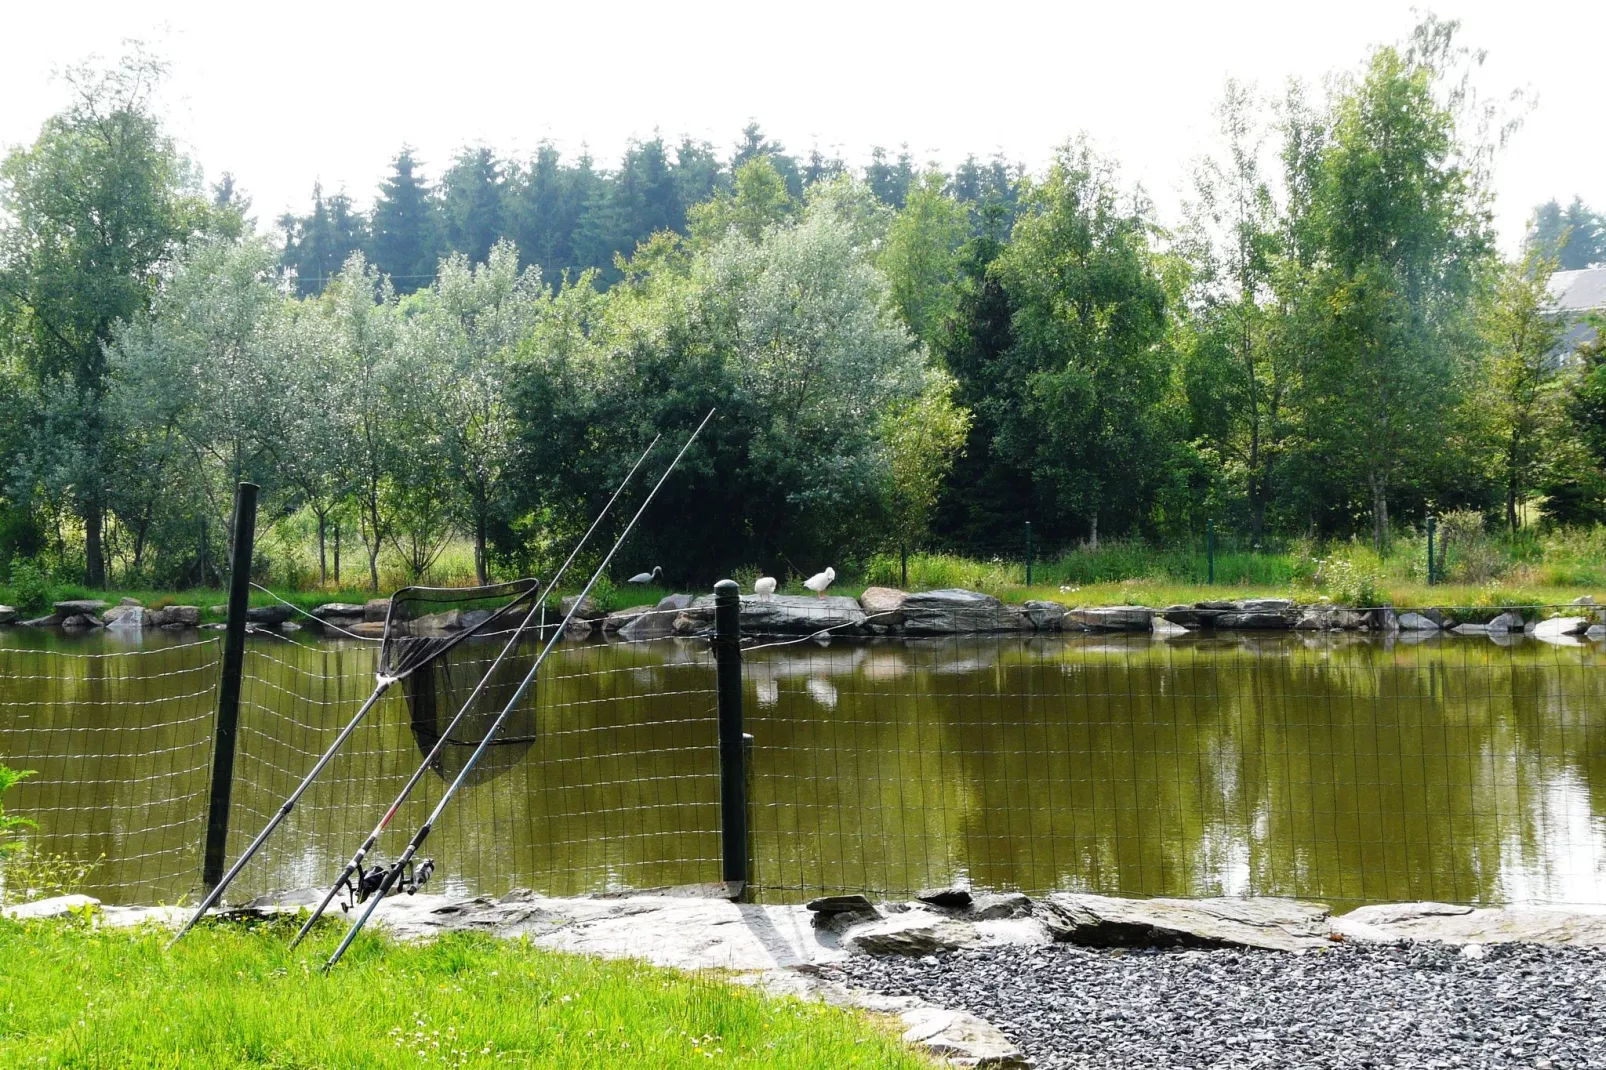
{"x": 233, "y": 996}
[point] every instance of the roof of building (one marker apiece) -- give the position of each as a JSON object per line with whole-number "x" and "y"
{"x": 1579, "y": 291}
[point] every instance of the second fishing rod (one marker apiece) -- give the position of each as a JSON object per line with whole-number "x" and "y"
{"x": 423, "y": 832}
{"x": 353, "y": 869}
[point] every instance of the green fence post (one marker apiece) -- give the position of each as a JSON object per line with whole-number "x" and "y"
{"x": 1028, "y": 553}
{"x": 228, "y": 691}
{"x": 1210, "y": 552}
{"x": 1431, "y": 526}
{"x": 732, "y": 742}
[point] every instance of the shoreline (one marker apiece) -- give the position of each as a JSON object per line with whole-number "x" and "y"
{"x": 815, "y": 950}
{"x": 877, "y": 612}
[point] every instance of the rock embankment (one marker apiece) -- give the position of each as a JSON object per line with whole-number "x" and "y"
{"x": 886, "y": 611}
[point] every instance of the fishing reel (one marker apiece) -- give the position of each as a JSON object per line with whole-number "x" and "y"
{"x": 360, "y": 886}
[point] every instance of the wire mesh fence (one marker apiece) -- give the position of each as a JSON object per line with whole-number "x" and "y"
{"x": 1335, "y": 766}
{"x": 119, "y": 743}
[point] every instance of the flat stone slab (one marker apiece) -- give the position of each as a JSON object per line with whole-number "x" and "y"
{"x": 88, "y": 607}
{"x": 839, "y": 904}
{"x": 1451, "y": 924}
{"x": 957, "y": 612}
{"x": 1275, "y": 924}
{"x": 338, "y": 609}
{"x": 1559, "y": 626}
{"x": 56, "y": 907}
{"x": 913, "y": 932}
{"x": 1257, "y": 620}
{"x": 1112, "y": 618}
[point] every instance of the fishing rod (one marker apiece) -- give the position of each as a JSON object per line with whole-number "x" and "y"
{"x": 422, "y": 834}
{"x": 361, "y": 887}
{"x": 409, "y": 659}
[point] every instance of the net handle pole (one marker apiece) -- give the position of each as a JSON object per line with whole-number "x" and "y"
{"x": 537, "y": 606}
{"x": 284, "y": 810}
{"x": 462, "y": 775}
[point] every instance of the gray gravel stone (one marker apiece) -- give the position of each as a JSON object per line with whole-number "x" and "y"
{"x": 1423, "y": 1005}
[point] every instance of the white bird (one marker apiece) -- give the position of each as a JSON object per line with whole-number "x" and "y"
{"x": 764, "y": 586}
{"x": 820, "y": 581}
{"x": 647, "y": 577}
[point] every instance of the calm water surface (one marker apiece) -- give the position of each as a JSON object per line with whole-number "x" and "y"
{"x": 1334, "y": 767}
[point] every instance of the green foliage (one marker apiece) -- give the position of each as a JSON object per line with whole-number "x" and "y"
{"x": 920, "y": 256}
{"x": 1575, "y": 237}
{"x": 31, "y": 585}
{"x": 1351, "y": 575}
{"x": 928, "y": 571}
{"x": 233, "y": 995}
{"x": 9, "y": 826}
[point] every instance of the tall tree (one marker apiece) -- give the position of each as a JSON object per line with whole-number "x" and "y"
{"x": 1089, "y": 325}
{"x": 920, "y": 256}
{"x": 1401, "y": 224}
{"x": 1574, "y": 237}
{"x": 1238, "y": 370}
{"x": 405, "y": 226}
{"x": 471, "y": 203}
{"x": 93, "y": 210}
{"x": 317, "y": 244}
{"x": 465, "y": 330}
{"x": 1519, "y": 387}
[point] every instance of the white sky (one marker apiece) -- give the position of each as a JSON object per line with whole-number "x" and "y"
{"x": 330, "y": 90}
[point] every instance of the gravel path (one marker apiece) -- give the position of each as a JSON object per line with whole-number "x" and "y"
{"x": 1423, "y": 1005}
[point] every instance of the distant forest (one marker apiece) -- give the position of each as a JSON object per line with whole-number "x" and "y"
{"x": 566, "y": 216}
{"x": 1325, "y": 343}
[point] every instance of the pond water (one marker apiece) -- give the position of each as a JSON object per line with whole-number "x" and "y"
{"x": 1331, "y": 767}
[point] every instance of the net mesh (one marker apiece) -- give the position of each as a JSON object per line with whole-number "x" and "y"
{"x": 423, "y": 623}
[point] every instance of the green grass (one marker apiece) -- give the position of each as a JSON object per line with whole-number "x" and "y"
{"x": 233, "y": 996}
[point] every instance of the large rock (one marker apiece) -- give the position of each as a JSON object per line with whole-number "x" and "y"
{"x": 127, "y": 601}
{"x": 957, "y": 612}
{"x": 590, "y": 609}
{"x": 1559, "y": 626}
{"x": 1259, "y": 620}
{"x": 8, "y": 614}
{"x": 1451, "y": 924}
{"x": 1112, "y": 618}
{"x": 658, "y": 622}
{"x": 376, "y": 609}
{"x": 914, "y": 932}
{"x": 339, "y": 609}
{"x": 1506, "y": 622}
{"x": 1196, "y": 616}
{"x": 781, "y": 614}
{"x": 1045, "y": 616}
{"x": 269, "y": 616}
{"x": 620, "y": 617}
{"x": 80, "y": 621}
{"x": 1417, "y": 622}
{"x": 86, "y": 607}
{"x": 885, "y": 604}
{"x": 839, "y": 904}
{"x": 180, "y": 616}
{"x": 1265, "y": 605}
{"x": 130, "y": 618}
{"x": 1276, "y": 924}
{"x": 48, "y": 621}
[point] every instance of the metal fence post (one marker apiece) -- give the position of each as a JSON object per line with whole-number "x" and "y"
{"x": 228, "y": 692}
{"x": 1028, "y": 553}
{"x": 1210, "y": 551}
{"x": 732, "y": 778}
{"x": 1431, "y": 525}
